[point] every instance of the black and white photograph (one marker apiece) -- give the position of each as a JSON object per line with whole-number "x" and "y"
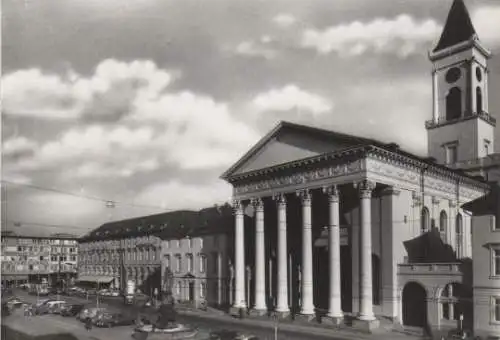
{"x": 250, "y": 169}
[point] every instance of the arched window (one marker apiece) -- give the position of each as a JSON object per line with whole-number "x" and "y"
{"x": 454, "y": 104}
{"x": 443, "y": 221}
{"x": 479, "y": 100}
{"x": 459, "y": 235}
{"x": 424, "y": 220}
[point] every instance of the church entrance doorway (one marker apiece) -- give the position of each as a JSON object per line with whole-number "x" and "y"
{"x": 414, "y": 305}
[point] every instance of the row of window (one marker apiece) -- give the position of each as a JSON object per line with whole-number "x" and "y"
{"x": 36, "y": 249}
{"x": 177, "y": 265}
{"x": 189, "y": 242}
{"x": 135, "y": 255}
{"x": 42, "y": 241}
{"x": 202, "y": 287}
{"x": 443, "y": 223}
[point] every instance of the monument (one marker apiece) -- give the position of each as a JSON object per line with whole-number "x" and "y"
{"x": 166, "y": 326}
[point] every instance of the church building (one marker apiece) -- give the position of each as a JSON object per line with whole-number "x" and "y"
{"x": 351, "y": 230}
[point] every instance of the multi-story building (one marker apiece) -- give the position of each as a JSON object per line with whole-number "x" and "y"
{"x": 132, "y": 249}
{"x": 486, "y": 263}
{"x": 196, "y": 255}
{"x": 31, "y": 257}
{"x": 120, "y": 251}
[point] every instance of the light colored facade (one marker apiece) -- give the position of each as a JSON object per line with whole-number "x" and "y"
{"x": 199, "y": 267}
{"x": 486, "y": 264}
{"x": 112, "y": 260}
{"x": 30, "y": 257}
{"x": 405, "y": 252}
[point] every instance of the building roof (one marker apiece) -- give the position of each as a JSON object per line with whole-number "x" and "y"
{"x": 485, "y": 205}
{"x": 458, "y": 27}
{"x": 174, "y": 224}
{"x": 22, "y": 232}
{"x": 355, "y": 145}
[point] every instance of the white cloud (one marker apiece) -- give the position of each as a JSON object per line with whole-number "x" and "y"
{"x": 253, "y": 49}
{"x": 284, "y": 20}
{"x": 178, "y": 195}
{"x": 402, "y": 36}
{"x": 151, "y": 126}
{"x": 107, "y": 95}
{"x": 291, "y": 97}
{"x": 18, "y": 146}
{"x": 487, "y": 23}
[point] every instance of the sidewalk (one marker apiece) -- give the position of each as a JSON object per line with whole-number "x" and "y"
{"x": 296, "y": 327}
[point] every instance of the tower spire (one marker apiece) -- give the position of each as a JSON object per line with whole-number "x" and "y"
{"x": 458, "y": 27}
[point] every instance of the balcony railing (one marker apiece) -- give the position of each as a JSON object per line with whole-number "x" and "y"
{"x": 429, "y": 124}
{"x": 430, "y": 268}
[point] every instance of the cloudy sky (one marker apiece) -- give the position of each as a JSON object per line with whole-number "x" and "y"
{"x": 146, "y": 103}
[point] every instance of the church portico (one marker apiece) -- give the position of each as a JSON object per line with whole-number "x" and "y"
{"x": 291, "y": 258}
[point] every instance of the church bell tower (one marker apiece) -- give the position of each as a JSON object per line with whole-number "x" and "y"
{"x": 461, "y": 128}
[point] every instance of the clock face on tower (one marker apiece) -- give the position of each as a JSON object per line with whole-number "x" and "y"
{"x": 479, "y": 74}
{"x": 453, "y": 75}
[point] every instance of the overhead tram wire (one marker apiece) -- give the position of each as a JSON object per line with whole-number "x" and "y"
{"x": 107, "y": 202}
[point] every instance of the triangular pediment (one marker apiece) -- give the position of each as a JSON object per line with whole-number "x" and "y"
{"x": 290, "y": 142}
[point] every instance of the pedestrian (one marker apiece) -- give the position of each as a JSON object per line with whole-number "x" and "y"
{"x": 88, "y": 324}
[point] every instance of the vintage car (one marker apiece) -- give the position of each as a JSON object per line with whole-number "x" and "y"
{"x": 111, "y": 319}
{"x": 89, "y": 312}
{"x": 71, "y": 309}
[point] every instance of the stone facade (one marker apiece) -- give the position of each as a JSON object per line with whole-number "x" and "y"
{"x": 199, "y": 266}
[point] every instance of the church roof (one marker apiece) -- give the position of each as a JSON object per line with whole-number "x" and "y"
{"x": 343, "y": 145}
{"x": 458, "y": 27}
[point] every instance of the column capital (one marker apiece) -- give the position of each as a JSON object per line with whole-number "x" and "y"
{"x": 280, "y": 198}
{"x": 257, "y": 203}
{"x": 394, "y": 191}
{"x": 237, "y": 205}
{"x": 435, "y": 200}
{"x": 332, "y": 191}
{"x": 305, "y": 195}
{"x": 365, "y": 188}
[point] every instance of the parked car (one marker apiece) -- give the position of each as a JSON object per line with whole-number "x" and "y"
{"x": 114, "y": 293}
{"x": 14, "y": 302}
{"x": 56, "y": 307}
{"x": 231, "y": 335}
{"x": 71, "y": 309}
{"x": 48, "y": 307}
{"x": 90, "y": 312}
{"x": 112, "y": 319}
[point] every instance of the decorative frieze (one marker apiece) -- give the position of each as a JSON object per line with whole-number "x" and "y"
{"x": 304, "y": 177}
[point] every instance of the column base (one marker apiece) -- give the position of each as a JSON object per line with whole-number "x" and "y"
{"x": 281, "y": 314}
{"x": 234, "y": 310}
{"x": 258, "y": 312}
{"x": 365, "y": 325}
{"x": 332, "y": 320}
{"x": 305, "y": 317}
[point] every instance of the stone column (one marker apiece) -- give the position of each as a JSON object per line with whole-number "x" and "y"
{"x": 239, "y": 256}
{"x": 435, "y": 97}
{"x": 260, "y": 258}
{"x": 307, "y": 305}
{"x": 334, "y": 308}
{"x": 365, "y": 252}
{"x": 282, "y": 303}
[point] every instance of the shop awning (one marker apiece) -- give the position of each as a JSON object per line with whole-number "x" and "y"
{"x": 14, "y": 277}
{"x": 97, "y": 279}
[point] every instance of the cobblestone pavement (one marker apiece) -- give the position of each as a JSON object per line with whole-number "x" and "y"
{"x": 262, "y": 328}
